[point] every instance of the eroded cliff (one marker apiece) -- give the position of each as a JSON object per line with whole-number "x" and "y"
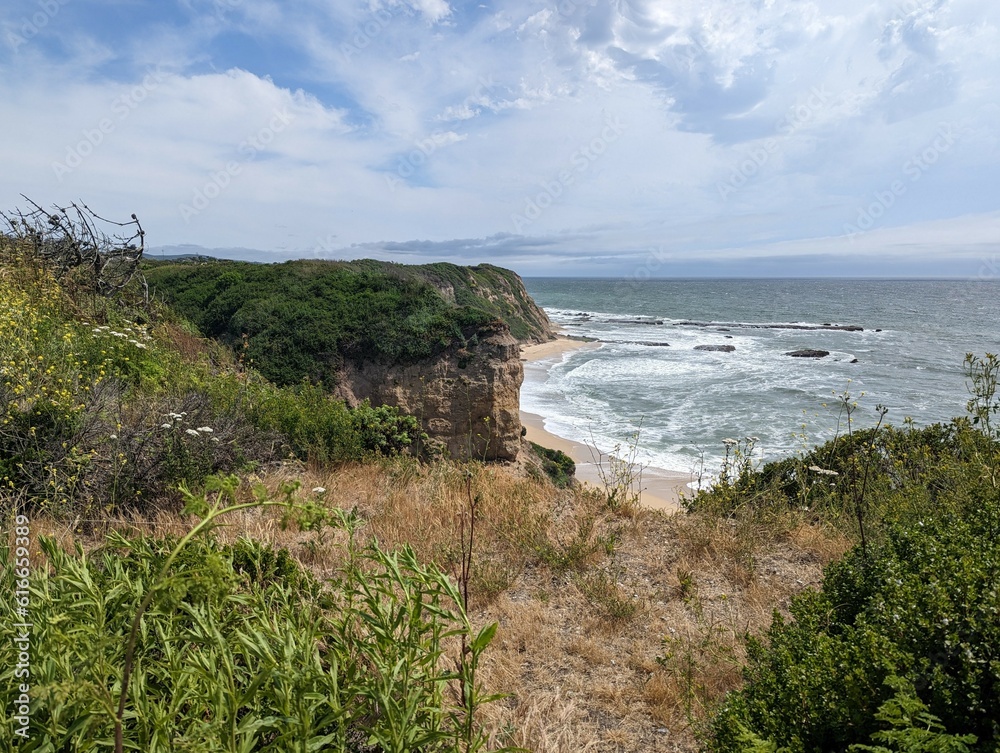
{"x": 466, "y": 398}
{"x": 439, "y": 341}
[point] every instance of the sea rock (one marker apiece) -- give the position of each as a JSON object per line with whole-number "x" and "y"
{"x": 750, "y": 325}
{"x": 716, "y": 348}
{"x": 808, "y": 353}
{"x": 466, "y": 398}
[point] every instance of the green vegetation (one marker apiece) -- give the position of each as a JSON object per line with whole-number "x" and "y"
{"x": 107, "y": 404}
{"x": 238, "y": 648}
{"x": 302, "y": 320}
{"x": 557, "y": 465}
{"x": 110, "y": 405}
{"x": 900, "y": 649}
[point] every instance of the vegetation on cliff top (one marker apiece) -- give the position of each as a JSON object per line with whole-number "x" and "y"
{"x": 302, "y": 319}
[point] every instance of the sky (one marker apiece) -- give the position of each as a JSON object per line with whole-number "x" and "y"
{"x": 645, "y": 138}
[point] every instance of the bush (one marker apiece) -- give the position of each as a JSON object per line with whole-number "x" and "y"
{"x": 242, "y": 651}
{"x": 915, "y": 624}
{"x": 558, "y": 466}
{"x": 302, "y": 320}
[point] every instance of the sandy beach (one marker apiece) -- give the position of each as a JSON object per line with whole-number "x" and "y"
{"x": 660, "y": 489}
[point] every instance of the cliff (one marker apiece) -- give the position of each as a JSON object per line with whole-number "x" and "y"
{"x": 439, "y": 341}
{"x": 466, "y": 398}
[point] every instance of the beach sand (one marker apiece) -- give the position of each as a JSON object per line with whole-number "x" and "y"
{"x": 660, "y": 490}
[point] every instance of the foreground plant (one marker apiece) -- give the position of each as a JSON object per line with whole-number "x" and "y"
{"x": 186, "y": 644}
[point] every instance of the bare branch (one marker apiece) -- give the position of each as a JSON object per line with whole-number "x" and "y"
{"x": 71, "y": 240}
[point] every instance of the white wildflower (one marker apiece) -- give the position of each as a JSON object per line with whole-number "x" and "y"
{"x": 215, "y": 439}
{"x": 112, "y": 436}
{"x": 206, "y": 429}
{"x": 319, "y": 490}
{"x": 728, "y": 442}
{"x": 822, "y": 471}
{"x": 166, "y": 426}
{"x": 192, "y": 432}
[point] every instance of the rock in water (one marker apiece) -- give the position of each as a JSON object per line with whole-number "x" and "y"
{"x": 716, "y": 348}
{"x": 808, "y": 353}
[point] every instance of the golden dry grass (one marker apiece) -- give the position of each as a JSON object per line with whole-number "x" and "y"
{"x": 577, "y": 678}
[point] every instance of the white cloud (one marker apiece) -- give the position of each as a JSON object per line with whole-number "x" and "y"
{"x": 435, "y": 121}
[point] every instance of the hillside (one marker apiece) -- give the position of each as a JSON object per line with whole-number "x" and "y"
{"x": 305, "y": 319}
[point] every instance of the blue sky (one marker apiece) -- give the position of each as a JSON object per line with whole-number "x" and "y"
{"x": 571, "y": 137}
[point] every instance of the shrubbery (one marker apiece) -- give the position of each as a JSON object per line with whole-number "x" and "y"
{"x": 103, "y": 410}
{"x": 302, "y": 319}
{"x": 557, "y": 465}
{"x": 900, "y": 650}
{"x": 241, "y": 649}
{"x": 918, "y": 620}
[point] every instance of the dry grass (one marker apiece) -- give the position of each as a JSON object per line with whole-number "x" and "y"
{"x": 577, "y": 677}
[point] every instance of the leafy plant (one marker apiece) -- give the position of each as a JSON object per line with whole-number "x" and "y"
{"x": 236, "y": 648}
{"x": 558, "y": 466}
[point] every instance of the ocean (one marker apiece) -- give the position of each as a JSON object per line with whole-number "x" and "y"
{"x": 646, "y": 372}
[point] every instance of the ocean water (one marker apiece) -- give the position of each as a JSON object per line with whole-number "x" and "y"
{"x": 645, "y": 368}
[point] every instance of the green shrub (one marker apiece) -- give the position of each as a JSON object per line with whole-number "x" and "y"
{"x": 921, "y": 608}
{"x": 240, "y": 650}
{"x": 558, "y": 466}
{"x": 302, "y": 320}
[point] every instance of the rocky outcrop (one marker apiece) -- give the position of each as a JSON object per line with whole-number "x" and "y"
{"x": 716, "y": 348}
{"x": 808, "y": 353}
{"x": 466, "y": 398}
{"x": 810, "y": 327}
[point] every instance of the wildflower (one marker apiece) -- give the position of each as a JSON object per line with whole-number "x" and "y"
{"x": 112, "y": 436}
{"x": 319, "y": 490}
{"x": 166, "y": 426}
{"x": 728, "y": 442}
{"x": 823, "y": 471}
{"x": 192, "y": 432}
{"x": 206, "y": 429}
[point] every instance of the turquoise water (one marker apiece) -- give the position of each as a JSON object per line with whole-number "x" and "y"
{"x": 909, "y": 354}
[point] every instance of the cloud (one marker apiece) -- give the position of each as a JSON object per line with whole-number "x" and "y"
{"x": 319, "y": 127}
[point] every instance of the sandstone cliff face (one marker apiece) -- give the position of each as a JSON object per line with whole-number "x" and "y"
{"x": 466, "y": 398}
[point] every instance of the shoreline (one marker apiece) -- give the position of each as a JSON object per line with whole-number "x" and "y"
{"x": 660, "y": 489}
